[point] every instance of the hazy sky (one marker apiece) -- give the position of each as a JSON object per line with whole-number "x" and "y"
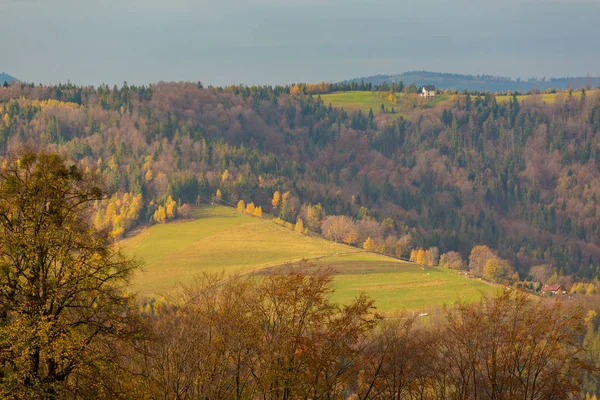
{"x": 281, "y": 41}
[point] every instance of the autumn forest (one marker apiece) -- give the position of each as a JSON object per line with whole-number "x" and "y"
{"x": 508, "y": 189}
{"x": 519, "y": 177}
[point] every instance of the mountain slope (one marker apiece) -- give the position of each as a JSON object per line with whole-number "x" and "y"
{"x": 6, "y": 78}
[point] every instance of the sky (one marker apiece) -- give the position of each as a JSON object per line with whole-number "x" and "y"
{"x": 222, "y": 42}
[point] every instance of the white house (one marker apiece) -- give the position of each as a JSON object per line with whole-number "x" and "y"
{"x": 428, "y": 91}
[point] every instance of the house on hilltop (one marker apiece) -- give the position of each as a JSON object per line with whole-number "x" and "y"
{"x": 428, "y": 91}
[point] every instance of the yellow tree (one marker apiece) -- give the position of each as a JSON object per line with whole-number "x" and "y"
{"x": 219, "y": 195}
{"x": 276, "y": 199}
{"x": 497, "y": 270}
{"x": 147, "y": 163}
{"x": 250, "y": 208}
{"x": 369, "y": 245}
{"x": 478, "y": 258}
{"x": 413, "y": 255}
{"x": 62, "y": 297}
{"x": 350, "y": 238}
{"x": 160, "y": 215}
{"x": 118, "y": 228}
{"x": 284, "y": 199}
{"x": 426, "y": 258}
{"x": 299, "y": 225}
{"x": 225, "y": 176}
{"x": 111, "y": 212}
{"x": 420, "y": 258}
{"x": 171, "y": 208}
{"x": 241, "y": 206}
{"x": 258, "y": 212}
{"x": 133, "y": 212}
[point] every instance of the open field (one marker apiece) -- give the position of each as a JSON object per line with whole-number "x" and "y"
{"x": 365, "y": 100}
{"x": 397, "y": 285}
{"x": 550, "y": 98}
{"x": 221, "y": 240}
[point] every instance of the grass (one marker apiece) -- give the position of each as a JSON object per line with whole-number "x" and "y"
{"x": 221, "y": 240}
{"x": 396, "y": 285}
{"x": 365, "y": 101}
{"x": 549, "y": 98}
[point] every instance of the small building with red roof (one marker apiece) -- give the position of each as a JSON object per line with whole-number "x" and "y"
{"x": 552, "y": 289}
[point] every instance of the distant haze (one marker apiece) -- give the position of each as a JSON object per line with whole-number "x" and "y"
{"x": 283, "y": 41}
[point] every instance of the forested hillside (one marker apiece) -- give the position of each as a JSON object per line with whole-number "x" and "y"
{"x": 520, "y": 177}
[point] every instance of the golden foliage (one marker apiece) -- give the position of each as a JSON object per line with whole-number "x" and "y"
{"x": 241, "y": 206}
{"x": 299, "y": 225}
{"x": 413, "y": 255}
{"x": 171, "y": 208}
{"x": 69, "y": 303}
{"x": 160, "y": 215}
{"x": 369, "y": 245}
{"x": 350, "y": 238}
{"x": 117, "y": 214}
{"x": 420, "y": 257}
{"x": 276, "y": 199}
{"x": 295, "y": 90}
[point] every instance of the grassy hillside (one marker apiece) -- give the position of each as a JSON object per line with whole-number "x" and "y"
{"x": 365, "y": 101}
{"x": 550, "y": 98}
{"x": 399, "y": 285}
{"x": 219, "y": 240}
{"x": 223, "y": 240}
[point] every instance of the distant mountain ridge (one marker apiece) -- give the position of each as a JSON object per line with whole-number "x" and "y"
{"x": 480, "y": 82}
{"x": 4, "y": 77}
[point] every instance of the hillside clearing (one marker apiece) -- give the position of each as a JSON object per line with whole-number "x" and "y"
{"x": 550, "y": 98}
{"x": 397, "y": 285}
{"x": 221, "y": 240}
{"x": 365, "y": 101}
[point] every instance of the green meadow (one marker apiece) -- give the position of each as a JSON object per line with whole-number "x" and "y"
{"x": 397, "y": 285}
{"x": 550, "y": 98}
{"x": 365, "y": 101}
{"x": 220, "y": 240}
